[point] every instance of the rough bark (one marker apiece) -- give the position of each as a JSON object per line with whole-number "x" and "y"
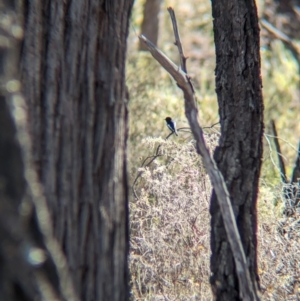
{"x": 73, "y": 71}
{"x": 32, "y": 265}
{"x": 238, "y": 156}
{"x": 150, "y": 24}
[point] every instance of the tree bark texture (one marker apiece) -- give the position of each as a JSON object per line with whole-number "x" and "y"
{"x": 238, "y": 156}
{"x": 73, "y": 74}
{"x": 14, "y": 285}
{"x": 32, "y": 266}
{"x": 150, "y": 24}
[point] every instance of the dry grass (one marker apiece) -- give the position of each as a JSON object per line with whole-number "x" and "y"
{"x": 170, "y": 227}
{"x": 170, "y": 232}
{"x": 170, "y": 222}
{"x": 278, "y": 253}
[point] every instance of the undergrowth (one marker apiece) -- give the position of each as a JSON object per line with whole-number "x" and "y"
{"x": 169, "y": 217}
{"x": 170, "y": 231}
{"x": 170, "y": 225}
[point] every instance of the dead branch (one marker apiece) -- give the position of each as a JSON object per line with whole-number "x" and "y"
{"x": 177, "y": 40}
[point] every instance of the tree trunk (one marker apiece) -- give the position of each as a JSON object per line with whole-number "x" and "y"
{"x": 150, "y": 24}
{"x": 73, "y": 73}
{"x": 32, "y": 265}
{"x": 238, "y": 87}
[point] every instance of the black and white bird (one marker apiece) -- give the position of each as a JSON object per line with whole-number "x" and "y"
{"x": 171, "y": 125}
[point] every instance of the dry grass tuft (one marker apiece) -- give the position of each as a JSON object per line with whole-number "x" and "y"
{"x": 170, "y": 227}
{"x": 278, "y": 253}
{"x": 170, "y": 232}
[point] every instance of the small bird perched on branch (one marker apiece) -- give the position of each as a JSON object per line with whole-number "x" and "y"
{"x": 171, "y": 125}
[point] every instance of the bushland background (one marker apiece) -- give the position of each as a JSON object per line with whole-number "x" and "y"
{"x": 64, "y": 110}
{"x": 169, "y": 218}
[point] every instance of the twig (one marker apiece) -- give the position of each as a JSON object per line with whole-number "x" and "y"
{"x": 276, "y": 32}
{"x": 212, "y": 126}
{"x": 177, "y": 40}
{"x": 271, "y": 151}
{"x": 284, "y": 140}
{"x": 185, "y": 130}
{"x": 153, "y": 158}
{"x": 217, "y": 180}
{"x": 279, "y": 156}
{"x": 296, "y": 169}
{"x": 182, "y": 57}
{"x": 294, "y": 47}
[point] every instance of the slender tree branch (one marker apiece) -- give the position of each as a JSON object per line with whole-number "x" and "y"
{"x": 212, "y": 126}
{"x": 295, "y": 181}
{"x": 290, "y": 190}
{"x": 276, "y": 32}
{"x": 166, "y": 63}
{"x": 279, "y": 155}
{"x": 144, "y": 162}
{"x": 217, "y": 180}
{"x": 294, "y": 47}
{"x": 296, "y": 169}
{"x": 184, "y": 129}
{"x": 177, "y": 40}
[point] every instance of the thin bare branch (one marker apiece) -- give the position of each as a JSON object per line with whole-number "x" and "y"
{"x": 279, "y": 156}
{"x": 179, "y": 76}
{"x": 157, "y": 154}
{"x": 212, "y": 126}
{"x": 182, "y": 57}
{"x": 280, "y": 35}
{"x": 296, "y": 169}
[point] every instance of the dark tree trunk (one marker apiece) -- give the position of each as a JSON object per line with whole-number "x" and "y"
{"x": 150, "y": 24}
{"x": 73, "y": 74}
{"x": 238, "y": 87}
